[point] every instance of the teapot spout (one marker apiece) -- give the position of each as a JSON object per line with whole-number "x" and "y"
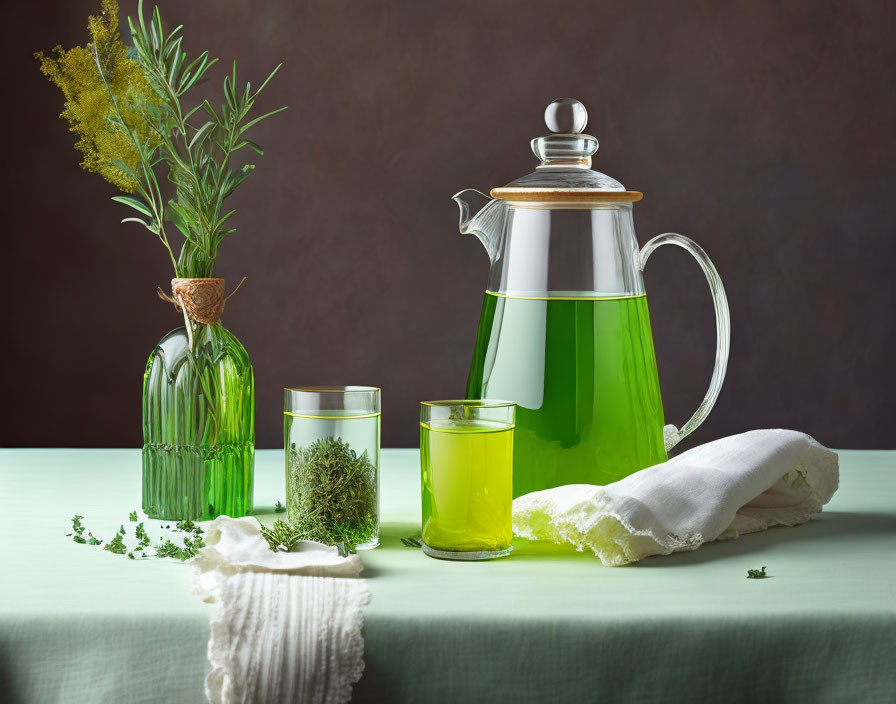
{"x": 482, "y": 216}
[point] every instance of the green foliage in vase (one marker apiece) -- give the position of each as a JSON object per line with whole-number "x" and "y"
{"x": 202, "y": 398}
{"x": 89, "y": 100}
{"x": 140, "y": 126}
{"x": 331, "y": 493}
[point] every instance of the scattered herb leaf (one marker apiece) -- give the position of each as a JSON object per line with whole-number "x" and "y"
{"x": 193, "y": 541}
{"x": 143, "y": 540}
{"x": 756, "y": 574}
{"x": 116, "y": 545}
{"x": 412, "y": 542}
{"x": 132, "y": 516}
{"x": 189, "y": 549}
{"x": 78, "y": 529}
{"x": 279, "y": 508}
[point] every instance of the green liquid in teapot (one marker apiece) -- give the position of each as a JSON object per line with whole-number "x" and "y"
{"x": 582, "y": 372}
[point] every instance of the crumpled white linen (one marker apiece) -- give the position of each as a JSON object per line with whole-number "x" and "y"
{"x": 718, "y": 491}
{"x": 287, "y": 627}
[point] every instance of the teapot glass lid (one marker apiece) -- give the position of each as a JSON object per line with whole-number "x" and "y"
{"x": 564, "y": 173}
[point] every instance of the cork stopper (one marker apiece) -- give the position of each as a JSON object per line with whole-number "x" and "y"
{"x": 203, "y": 299}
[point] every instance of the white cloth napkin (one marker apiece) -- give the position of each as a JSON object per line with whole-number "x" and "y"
{"x": 288, "y": 624}
{"x": 718, "y": 491}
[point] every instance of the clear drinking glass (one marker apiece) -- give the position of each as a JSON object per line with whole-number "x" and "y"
{"x": 331, "y": 435}
{"x": 466, "y": 463}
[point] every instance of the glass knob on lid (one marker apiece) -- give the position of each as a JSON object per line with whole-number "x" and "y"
{"x": 564, "y": 171}
{"x": 567, "y": 148}
{"x": 566, "y": 116}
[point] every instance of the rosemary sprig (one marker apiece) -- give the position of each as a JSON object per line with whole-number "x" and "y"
{"x": 757, "y": 574}
{"x": 198, "y": 158}
{"x": 279, "y": 508}
{"x": 132, "y": 516}
{"x": 281, "y": 536}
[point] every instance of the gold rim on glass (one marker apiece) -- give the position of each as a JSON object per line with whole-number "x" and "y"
{"x": 332, "y": 402}
{"x": 333, "y": 389}
{"x": 476, "y": 403}
{"x": 514, "y": 297}
{"x": 317, "y": 417}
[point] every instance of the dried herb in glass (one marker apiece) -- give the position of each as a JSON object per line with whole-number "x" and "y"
{"x": 331, "y": 493}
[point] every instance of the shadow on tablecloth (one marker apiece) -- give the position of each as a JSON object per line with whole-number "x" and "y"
{"x": 831, "y": 529}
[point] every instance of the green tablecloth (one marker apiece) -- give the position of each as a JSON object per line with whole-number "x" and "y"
{"x": 78, "y": 624}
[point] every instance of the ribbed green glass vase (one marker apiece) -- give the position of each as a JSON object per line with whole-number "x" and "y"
{"x": 198, "y": 426}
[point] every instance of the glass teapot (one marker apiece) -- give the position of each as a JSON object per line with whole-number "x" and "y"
{"x": 564, "y": 331}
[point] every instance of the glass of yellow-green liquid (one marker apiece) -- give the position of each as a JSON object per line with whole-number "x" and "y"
{"x": 466, "y": 463}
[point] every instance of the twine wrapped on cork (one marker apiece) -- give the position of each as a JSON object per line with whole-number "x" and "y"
{"x": 201, "y": 299}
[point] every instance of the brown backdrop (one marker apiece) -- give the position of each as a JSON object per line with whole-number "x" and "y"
{"x": 764, "y": 130}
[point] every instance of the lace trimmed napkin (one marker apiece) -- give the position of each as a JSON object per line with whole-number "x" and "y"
{"x": 288, "y": 624}
{"x": 718, "y": 491}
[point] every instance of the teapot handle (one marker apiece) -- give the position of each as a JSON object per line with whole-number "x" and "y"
{"x": 672, "y": 435}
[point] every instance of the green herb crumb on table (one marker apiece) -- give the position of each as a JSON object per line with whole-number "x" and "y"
{"x": 78, "y": 529}
{"x": 192, "y": 541}
{"x": 757, "y": 574}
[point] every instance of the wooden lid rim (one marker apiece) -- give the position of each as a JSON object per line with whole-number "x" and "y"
{"x": 548, "y": 195}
